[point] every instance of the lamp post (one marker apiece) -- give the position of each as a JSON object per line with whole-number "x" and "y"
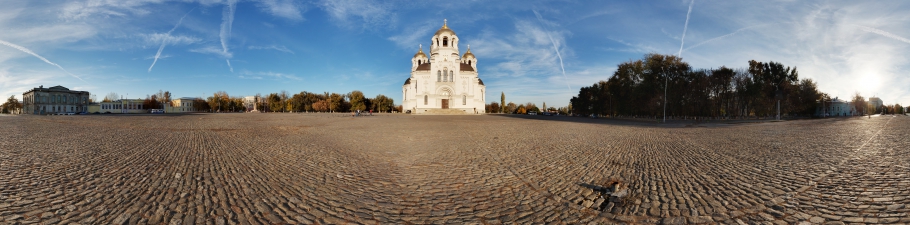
{"x": 666, "y": 78}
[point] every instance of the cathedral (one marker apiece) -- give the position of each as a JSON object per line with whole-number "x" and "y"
{"x": 445, "y": 82}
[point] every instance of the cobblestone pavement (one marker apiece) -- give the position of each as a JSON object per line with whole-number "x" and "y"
{"x": 400, "y": 169}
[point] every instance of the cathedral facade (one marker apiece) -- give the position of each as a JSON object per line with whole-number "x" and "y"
{"x": 445, "y": 82}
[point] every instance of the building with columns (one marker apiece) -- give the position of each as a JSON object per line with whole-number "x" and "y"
{"x": 54, "y": 100}
{"x": 445, "y": 82}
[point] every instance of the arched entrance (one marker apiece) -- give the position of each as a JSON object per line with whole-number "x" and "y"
{"x": 446, "y": 97}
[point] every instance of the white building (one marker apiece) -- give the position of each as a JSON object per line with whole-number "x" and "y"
{"x": 444, "y": 83}
{"x": 876, "y": 103}
{"x": 836, "y": 107}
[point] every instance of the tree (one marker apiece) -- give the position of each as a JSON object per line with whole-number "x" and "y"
{"x": 164, "y": 97}
{"x": 382, "y": 103}
{"x": 92, "y": 99}
{"x": 321, "y": 106}
{"x": 510, "y": 108}
{"x": 337, "y": 103}
{"x": 110, "y": 97}
{"x": 502, "y": 101}
{"x": 274, "y": 101}
{"x": 357, "y": 101}
{"x": 283, "y": 95}
{"x": 521, "y": 110}
{"x": 151, "y": 102}
{"x": 859, "y": 103}
{"x": 11, "y": 105}
{"x": 220, "y": 101}
{"x": 493, "y": 107}
{"x": 200, "y": 105}
{"x": 531, "y": 107}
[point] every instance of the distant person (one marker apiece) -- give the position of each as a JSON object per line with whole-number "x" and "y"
{"x": 371, "y": 112}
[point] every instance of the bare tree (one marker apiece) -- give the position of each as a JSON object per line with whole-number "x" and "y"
{"x": 283, "y": 95}
{"x": 110, "y": 97}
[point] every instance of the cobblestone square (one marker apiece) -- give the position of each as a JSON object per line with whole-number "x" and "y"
{"x": 488, "y": 169}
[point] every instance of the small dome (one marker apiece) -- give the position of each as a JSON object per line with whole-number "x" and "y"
{"x": 444, "y": 29}
{"x": 468, "y": 53}
{"x": 420, "y": 53}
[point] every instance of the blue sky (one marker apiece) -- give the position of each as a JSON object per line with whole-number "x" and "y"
{"x": 534, "y": 51}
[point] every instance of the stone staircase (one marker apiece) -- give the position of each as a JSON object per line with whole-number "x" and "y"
{"x": 445, "y": 112}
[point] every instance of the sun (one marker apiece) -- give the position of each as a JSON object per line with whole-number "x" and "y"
{"x": 869, "y": 83}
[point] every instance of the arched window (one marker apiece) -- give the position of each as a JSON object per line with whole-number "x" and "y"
{"x": 438, "y": 76}
{"x": 464, "y": 99}
{"x": 445, "y": 75}
{"x": 452, "y": 76}
{"x": 469, "y": 62}
{"x": 445, "y": 42}
{"x": 425, "y": 100}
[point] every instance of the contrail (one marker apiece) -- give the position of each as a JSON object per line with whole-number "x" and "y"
{"x": 685, "y": 27}
{"x": 722, "y": 36}
{"x": 555, "y": 48}
{"x": 164, "y": 41}
{"x": 229, "y": 65}
{"x": 226, "y": 23}
{"x": 23, "y": 49}
{"x": 883, "y": 33}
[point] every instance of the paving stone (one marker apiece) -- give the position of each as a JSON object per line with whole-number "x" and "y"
{"x": 395, "y": 169}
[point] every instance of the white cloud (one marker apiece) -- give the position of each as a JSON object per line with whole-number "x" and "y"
{"x": 287, "y": 9}
{"x": 212, "y": 50}
{"x": 280, "y": 48}
{"x": 527, "y": 52}
{"x": 845, "y": 48}
{"x": 269, "y": 74}
{"x": 368, "y": 12}
{"x": 168, "y": 39}
{"x": 13, "y": 83}
{"x": 152, "y": 57}
{"x": 76, "y": 10}
{"x": 411, "y": 35}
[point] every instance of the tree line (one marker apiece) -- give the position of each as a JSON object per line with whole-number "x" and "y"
{"x": 282, "y": 101}
{"x": 512, "y": 108}
{"x": 637, "y": 89}
{"x": 301, "y": 102}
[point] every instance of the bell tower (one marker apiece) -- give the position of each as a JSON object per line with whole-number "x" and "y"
{"x": 444, "y": 43}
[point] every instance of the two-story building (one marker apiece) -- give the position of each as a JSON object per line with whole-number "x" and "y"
{"x": 54, "y": 100}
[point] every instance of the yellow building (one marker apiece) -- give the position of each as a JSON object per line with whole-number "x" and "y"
{"x": 181, "y": 105}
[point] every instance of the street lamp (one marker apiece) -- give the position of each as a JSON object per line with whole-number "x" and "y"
{"x": 665, "y": 92}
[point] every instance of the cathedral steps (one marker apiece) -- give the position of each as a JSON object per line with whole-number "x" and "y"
{"x": 446, "y": 112}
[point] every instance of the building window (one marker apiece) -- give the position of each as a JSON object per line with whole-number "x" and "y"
{"x": 425, "y": 100}
{"x": 445, "y": 42}
{"x": 452, "y": 76}
{"x": 464, "y": 99}
{"x": 438, "y": 76}
{"x": 445, "y": 75}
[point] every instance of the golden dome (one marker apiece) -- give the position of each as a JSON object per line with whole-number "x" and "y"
{"x": 468, "y": 53}
{"x": 444, "y": 29}
{"x": 420, "y": 53}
